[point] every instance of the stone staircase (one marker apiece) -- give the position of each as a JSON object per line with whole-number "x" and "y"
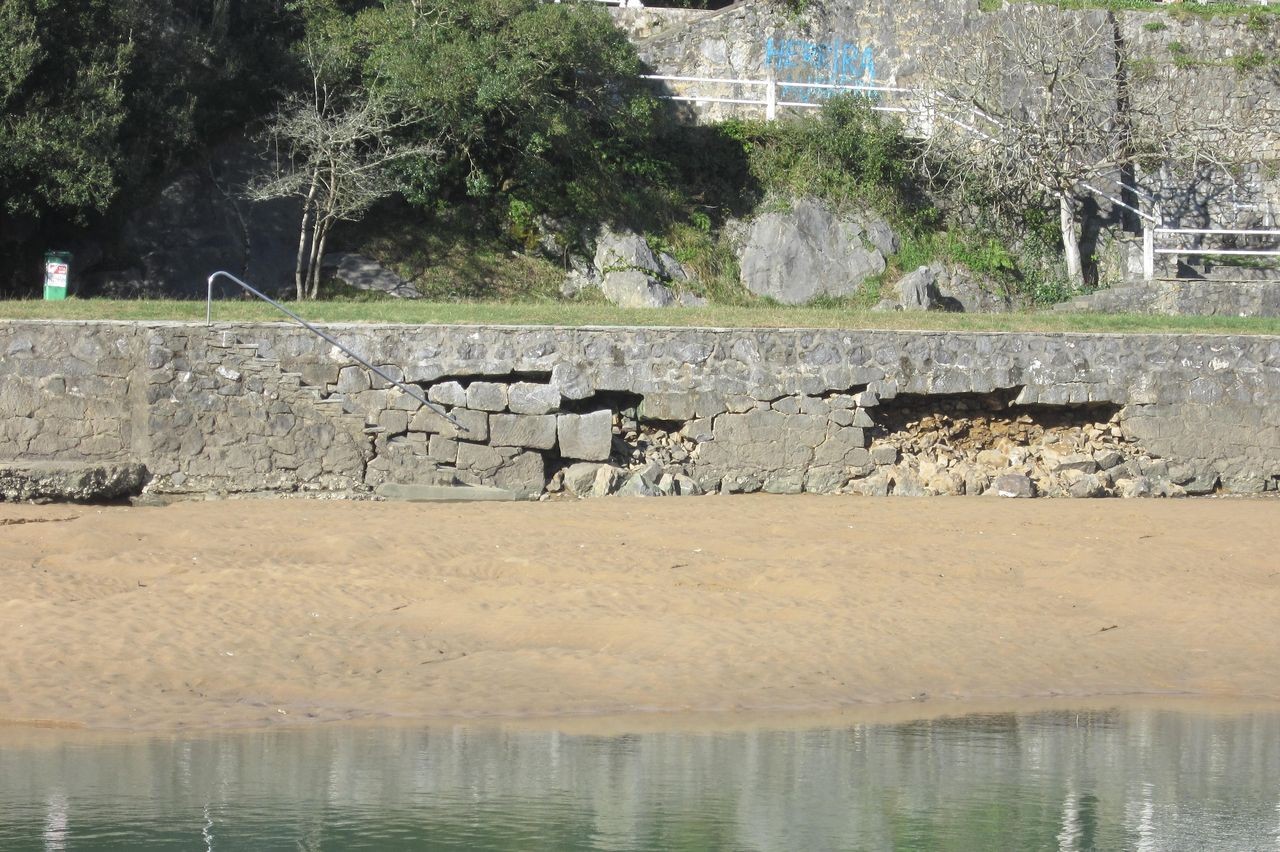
{"x": 394, "y": 464}
{"x": 233, "y": 420}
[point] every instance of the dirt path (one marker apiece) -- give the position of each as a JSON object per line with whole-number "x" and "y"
{"x": 252, "y": 612}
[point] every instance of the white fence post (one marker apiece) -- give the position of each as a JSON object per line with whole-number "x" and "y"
{"x": 1148, "y": 250}
{"x": 1149, "y": 241}
{"x": 770, "y": 98}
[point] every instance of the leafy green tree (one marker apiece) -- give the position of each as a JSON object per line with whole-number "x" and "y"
{"x": 533, "y": 108}
{"x": 61, "y": 105}
{"x": 532, "y": 101}
{"x": 96, "y": 95}
{"x": 335, "y": 143}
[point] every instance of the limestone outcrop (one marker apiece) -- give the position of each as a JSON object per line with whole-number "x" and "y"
{"x": 796, "y": 255}
{"x": 631, "y": 274}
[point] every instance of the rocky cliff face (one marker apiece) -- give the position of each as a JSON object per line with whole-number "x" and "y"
{"x": 200, "y": 223}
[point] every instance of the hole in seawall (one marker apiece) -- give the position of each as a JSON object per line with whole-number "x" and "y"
{"x": 972, "y": 443}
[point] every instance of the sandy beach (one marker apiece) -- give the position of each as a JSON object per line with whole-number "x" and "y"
{"x": 263, "y": 612}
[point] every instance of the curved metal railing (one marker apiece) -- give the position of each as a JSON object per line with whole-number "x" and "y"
{"x": 411, "y": 390}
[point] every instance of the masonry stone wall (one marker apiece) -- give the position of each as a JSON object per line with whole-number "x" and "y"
{"x": 640, "y": 23}
{"x": 1227, "y": 66}
{"x": 252, "y": 407}
{"x": 1189, "y": 297}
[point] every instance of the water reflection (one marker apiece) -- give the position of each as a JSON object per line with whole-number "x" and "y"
{"x": 1123, "y": 780}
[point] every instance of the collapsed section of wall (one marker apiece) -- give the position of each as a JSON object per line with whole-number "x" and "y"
{"x": 590, "y": 411}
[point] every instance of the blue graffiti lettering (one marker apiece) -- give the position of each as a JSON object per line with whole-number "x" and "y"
{"x": 799, "y": 61}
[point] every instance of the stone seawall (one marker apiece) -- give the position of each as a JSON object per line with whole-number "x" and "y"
{"x": 252, "y": 407}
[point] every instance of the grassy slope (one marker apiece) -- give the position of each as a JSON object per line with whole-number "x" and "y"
{"x": 571, "y": 314}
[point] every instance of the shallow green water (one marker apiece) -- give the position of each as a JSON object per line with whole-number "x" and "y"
{"x": 1149, "y": 780}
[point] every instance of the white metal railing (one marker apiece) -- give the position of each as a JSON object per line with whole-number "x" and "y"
{"x": 621, "y": 4}
{"x": 924, "y": 107}
{"x": 1151, "y": 250}
{"x": 773, "y": 92}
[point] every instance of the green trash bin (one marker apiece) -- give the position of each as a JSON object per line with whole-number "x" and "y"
{"x": 57, "y": 271}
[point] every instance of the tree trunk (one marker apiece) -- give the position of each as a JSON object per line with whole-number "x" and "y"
{"x": 324, "y": 223}
{"x": 1070, "y": 241}
{"x": 300, "y": 267}
{"x": 315, "y": 280}
{"x": 313, "y": 260}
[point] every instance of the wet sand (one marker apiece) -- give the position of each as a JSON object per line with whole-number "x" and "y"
{"x": 264, "y": 612}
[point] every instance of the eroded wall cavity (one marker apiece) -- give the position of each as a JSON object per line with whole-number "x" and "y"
{"x": 594, "y": 411}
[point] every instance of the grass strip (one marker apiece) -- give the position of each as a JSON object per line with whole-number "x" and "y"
{"x": 590, "y": 314}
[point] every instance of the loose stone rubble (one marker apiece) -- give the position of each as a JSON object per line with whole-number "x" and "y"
{"x": 979, "y": 446}
{"x": 919, "y": 447}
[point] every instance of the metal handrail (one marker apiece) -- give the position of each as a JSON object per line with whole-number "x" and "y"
{"x": 412, "y": 391}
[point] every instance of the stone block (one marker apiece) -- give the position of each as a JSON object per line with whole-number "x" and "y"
{"x": 699, "y": 431}
{"x": 905, "y": 482}
{"x": 1013, "y": 485}
{"x": 668, "y": 406}
{"x": 571, "y": 382}
{"x": 487, "y": 396}
{"x": 866, "y": 399}
{"x": 393, "y": 420}
{"x": 352, "y": 379}
{"x": 378, "y": 383}
{"x": 638, "y": 485}
{"x": 814, "y": 405}
{"x": 875, "y": 485}
{"x": 523, "y": 474}
{"x": 447, "y": 393}
{"x": 1072, "y": 461}
{"x": 580, "y": 478}
{"x": 883, "y": 454}
{"x": 474, "y": 424}
{"x": 1139, "y": 486}
{"x": 529, "y": 398}
{"x": 1107, "y": 459}
{"x": 402, "y": 401}
{"x": 480, "y": 458}
{"x": 686, "y": 487}
{"x": 442, "y": 449}
{"x": 535, "y": 431}
{"x": 992, "y": 459}
{"x": 414, "y": 493}
{"x": 608, "y": 478}
{"x": 1088, "y": 485}
{"x": 709, "y": 403}
{"x": 585, "y": 436}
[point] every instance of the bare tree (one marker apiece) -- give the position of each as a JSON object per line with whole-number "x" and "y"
{"x": 1045, "y": 102}
{"x": 334, "y": 148}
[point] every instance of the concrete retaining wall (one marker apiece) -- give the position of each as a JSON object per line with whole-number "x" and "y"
{"x": 248, "y": 407}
